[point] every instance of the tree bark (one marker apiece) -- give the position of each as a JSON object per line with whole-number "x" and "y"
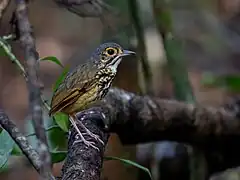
{"x": 138, "y": 119}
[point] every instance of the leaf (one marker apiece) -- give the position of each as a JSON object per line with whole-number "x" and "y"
{"x": 16, "y": 150}
{"x": 57, "y": 140}
{"x": 129, "y": 162}
{"x": 209, "y": 79}
{"x": 2, "y": 52}
{"x": 53, "y": 59}
{"x": 62, "y": 121}
{"x": 7, "y": 47}
{"x": 230, "y": 82}
{"x": 61, "y": 78}
{"x": 58, "y": 156}
{"x": 6, "y": 147}
{"x": 4, "y": 168}
{"x": 56, "y": 137}
{"x": 57, "y": 147}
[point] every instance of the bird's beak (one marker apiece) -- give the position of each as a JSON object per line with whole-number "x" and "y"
{"x": 127, "y": 53}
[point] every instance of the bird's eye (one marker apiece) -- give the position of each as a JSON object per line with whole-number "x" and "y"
{"x": 111, "y": 51}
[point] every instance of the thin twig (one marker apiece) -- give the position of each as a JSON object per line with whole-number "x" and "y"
{"x": 7, "y": 48}
{"x": 89, "y": 8}
{"x": 31, "y": 57}
{"x": 12, "y": 57}
{"x": 31, "y": 154}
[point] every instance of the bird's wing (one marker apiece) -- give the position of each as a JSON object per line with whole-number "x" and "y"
{"x": 74, "y": 85}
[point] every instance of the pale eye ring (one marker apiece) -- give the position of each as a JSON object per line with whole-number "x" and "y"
{"x": 111, "y": 51}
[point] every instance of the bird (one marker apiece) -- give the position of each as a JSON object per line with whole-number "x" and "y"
{"x": 86, "y": 84}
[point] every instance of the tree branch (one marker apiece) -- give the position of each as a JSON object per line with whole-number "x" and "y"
{"x": 86, "y": 8}
{"x": 20, "y": 140}
{"x": 147, "y": 119}
{"x": 85, "y": 162}
{"x": 31, "y": 57}
{"x": 139, "y": 119}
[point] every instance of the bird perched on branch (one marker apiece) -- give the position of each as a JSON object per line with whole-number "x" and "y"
{"x": 88, "y": 83}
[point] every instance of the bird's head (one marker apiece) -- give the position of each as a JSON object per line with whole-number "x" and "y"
{"x": 110, "y": 55}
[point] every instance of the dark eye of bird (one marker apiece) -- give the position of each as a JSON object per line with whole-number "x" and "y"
{"x": 110, "y": 51}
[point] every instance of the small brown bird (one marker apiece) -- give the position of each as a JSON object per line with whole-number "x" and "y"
{"x": 88, "y": 83}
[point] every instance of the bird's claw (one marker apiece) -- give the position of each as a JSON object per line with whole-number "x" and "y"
{"x": 87, "y": 143}
{"x": 96, "y": 137}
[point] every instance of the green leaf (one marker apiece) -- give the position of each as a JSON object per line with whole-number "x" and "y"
{"x": 16, "y": 150}
{"x": 6, "y": 147}
{"x": 57, "y": 140}
{"x": 58, "y": 156}
{"x": 230, "y": 82}
{"x": 129, "y": 162}
{"x": 2, "y": 52}
{"x": 56, "y": 137}
{"x": 62, "y": 121}
{"x": 208, "y": 79}
{"x": 61, "y": 78}
{"x": 7, "y": 47}
{"x": 4, "y": 168}
{"x": 53, "y": 59}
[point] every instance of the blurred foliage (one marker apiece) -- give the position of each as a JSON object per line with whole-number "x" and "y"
{"x": 179, "y": 75}
{"x": 123, "y": 30}
{"x": 145, "y": 71}
{"x": 6, "y": 147}
{"x": 128, "y": 162}
{"x": 229, "y": 82}
{"x": 174, "y": 51}
{"x": 56, "y": 139}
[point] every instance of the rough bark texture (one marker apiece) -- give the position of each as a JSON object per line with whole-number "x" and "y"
{"x": 35, "y": 104}
{"x": 84, "y": 162}
{"x": 139, "y": 119}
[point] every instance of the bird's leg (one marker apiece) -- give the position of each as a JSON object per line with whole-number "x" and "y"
{"x": 88, "y": 132}
{"x": 86, "y": 142}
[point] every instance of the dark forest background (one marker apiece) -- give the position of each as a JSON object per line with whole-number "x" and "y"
{"x": 206, "y": 44}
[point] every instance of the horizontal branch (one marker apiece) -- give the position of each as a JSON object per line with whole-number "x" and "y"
{"x": 138, "y": 119}
{"x": 146, "y": 119}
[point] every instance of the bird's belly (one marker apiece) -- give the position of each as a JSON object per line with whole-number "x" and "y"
{"x": 84, "y": 101}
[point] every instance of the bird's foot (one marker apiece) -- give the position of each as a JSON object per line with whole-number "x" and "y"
{"x": 88, "y": 132}
{"x": 86, "y": 142}
{"x": 96, "y": 137}
{"x": 82, "y": 139}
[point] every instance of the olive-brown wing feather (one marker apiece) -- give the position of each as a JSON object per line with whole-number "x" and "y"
{"x": 69, "y": 98}
{"x": 75, "y": 85}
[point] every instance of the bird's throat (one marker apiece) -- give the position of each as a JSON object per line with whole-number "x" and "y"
{"x": 114, "y": 65}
